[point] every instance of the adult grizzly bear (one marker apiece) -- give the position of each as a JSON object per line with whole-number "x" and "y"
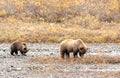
{"x": 19, "y": 46}
{"x": 75, "y": 46}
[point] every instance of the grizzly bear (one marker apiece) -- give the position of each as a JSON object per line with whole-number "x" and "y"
{"x": 75, "y": 46}
{"x": 18, "y": 46}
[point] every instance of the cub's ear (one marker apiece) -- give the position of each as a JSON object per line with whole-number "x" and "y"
{"x": 28, "y": 49}
{"x": 24, "y": 48}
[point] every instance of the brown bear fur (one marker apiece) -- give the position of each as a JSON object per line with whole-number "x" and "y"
{"x": 75, "y": 46}
{"x": 18, "y": 46}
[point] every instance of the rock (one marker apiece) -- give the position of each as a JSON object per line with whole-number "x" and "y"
{"x": 12, "y": 66}
{"x": 78, "y": 67}
{"x": 4, "y": 56}
{"x": 17, "y": 69}
{"x": 51, "y": 54}
{"x": 9, "y": 69}
{"x": 32, "y": 56}
{"x": 4, "y": 50}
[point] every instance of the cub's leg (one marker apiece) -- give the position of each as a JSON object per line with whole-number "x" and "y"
{"x": 23, "y": 53}
{"x": 16, "y": 52}
{"x": 12, "y": 52}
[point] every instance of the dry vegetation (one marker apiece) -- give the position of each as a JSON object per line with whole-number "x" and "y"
{"x": 91, "y": 59}
{"x": 95, "y": 21}
{"x": 56, "y": 65}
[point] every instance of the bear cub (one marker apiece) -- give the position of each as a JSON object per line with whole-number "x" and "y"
{"x": 18, "y": 46}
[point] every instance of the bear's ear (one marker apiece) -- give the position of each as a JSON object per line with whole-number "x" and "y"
{"x": 87, "y": 48}
{"x": 24, "y": 43}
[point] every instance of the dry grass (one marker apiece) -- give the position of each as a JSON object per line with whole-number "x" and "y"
{"x": 60, "y": 10}
{"x": 109, "y": 74}
{"x": 42, "y": 21}
{"x": 91, "y": 59}
{"x": 12, "y": 29}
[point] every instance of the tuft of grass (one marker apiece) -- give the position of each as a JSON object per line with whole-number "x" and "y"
{"x": 91, "y": 59}
{"x": 3, "y": 13}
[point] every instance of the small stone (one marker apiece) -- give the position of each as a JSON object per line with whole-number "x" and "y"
{"x": 78, "y": 67}
{"x": 51, "y": 53}
{"x": 4, "y": 50}
{"x": 32, "y": 55}
{"x": 12, "y": 66}
{"x": 9, "y": 70}
{"x": 4, "y": 56}
{"x": 18, "y": 69}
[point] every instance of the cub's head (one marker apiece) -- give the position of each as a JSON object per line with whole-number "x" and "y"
{"x": 24, "y": 48}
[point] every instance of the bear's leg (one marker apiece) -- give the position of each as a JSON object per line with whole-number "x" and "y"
{"x": 67, "y": 54}
{"x": 81, "y": 54}
{"x": 75, "y": 54}
{"x": 62, "y": 53}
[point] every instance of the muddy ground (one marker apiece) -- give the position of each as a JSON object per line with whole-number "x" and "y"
{"x": 22, "y": 67}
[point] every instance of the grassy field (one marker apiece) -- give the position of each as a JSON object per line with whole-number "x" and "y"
{"x": 42, "y": 21}
{"x": 54, "y": 33}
